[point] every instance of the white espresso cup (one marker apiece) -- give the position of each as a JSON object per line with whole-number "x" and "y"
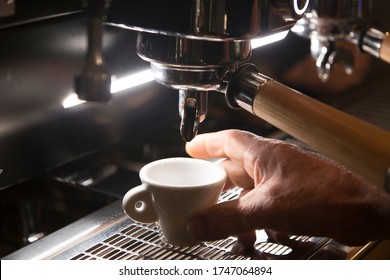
{"x": 172, "y": 191}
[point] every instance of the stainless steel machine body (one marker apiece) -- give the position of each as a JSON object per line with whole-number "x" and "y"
{"x": 194, "y": 51}
{"x": 329, "y": 23}
{"x": 59, "y": 164}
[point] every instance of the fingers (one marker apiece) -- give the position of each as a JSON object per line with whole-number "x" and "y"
{"x": 228, "y": 218}
{"x": 245, "y": 244}
{"x": 210, "y": 145}
{"x": 237, "y": 176}
{"x": 231, "y": 218}
{"x": 247, "y": 240}
{"x": 238, "y": 217}
{"x": 217, "y": 222}
{"x": 223, "y": 144}
{"x": 235, "y": 145}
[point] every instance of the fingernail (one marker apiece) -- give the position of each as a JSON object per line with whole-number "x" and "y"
{"x": 197, "y": 228}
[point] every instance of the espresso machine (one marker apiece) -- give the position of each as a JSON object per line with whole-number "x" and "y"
{"x": 196, "y": 49}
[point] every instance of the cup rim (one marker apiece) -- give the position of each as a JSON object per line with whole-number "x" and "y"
{"x": 145, "y": 179}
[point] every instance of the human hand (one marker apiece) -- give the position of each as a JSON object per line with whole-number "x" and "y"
{"x": 289, "y": 190}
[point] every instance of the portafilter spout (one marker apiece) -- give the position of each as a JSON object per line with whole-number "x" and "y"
{"x": 192, "y": 110}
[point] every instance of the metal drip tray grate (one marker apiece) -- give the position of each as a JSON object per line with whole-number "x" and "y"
{"x": 140, "y": 241}
{"x": 108, "y": 234}
{"x": 144, "y": 242}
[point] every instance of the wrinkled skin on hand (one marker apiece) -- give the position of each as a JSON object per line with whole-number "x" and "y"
{"x": 289, "y": 190}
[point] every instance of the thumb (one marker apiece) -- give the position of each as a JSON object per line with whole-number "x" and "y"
{"x": 219, "y": 221}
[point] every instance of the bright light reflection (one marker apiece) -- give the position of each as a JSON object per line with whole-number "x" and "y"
{"x": 256, "y": 43}
{"x": 298, "y": 29}
{"x": 145, "y": 76}
{"x": 130, "y": 81}
{"x": 71, "y": 100}
{"x": 117, "y": 85}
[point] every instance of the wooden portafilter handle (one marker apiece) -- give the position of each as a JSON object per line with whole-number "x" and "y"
{"x": 356, "y": 144}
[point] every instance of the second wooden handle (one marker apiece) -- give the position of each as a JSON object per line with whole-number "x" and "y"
{"x": 385, "y": 48}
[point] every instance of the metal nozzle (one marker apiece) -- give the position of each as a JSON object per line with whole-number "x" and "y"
{"x": 192, "y": 110}
{"x": 327, "y": 55}
{"x": 331, "y": 21}
{"x": 93, "y": 83}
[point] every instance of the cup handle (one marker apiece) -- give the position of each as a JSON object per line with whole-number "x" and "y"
{"x": 137, "y": 205}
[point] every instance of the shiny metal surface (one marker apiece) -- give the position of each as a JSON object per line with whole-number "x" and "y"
{"x": 80, "y": 234}
{"x": 242, "y": 87}
{"x": 188, "y": 79}
{"x": 192, "y": 110}
{"x": 334, "y": 20}
{"x": 179, "y": 52}
{"x": 214, "y": 41}
{"x": 329, "y": 22}
{"x": 207, "y": 19}
{"x": 37, "y": 74}
{"x": 93, "y": 82}
{"x": 109, "y": 234}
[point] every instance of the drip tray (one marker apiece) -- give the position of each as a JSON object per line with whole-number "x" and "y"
{"x": 140, "y": 241}
{"x": 109, "y": 234}
{"x": 144, "y": 242}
